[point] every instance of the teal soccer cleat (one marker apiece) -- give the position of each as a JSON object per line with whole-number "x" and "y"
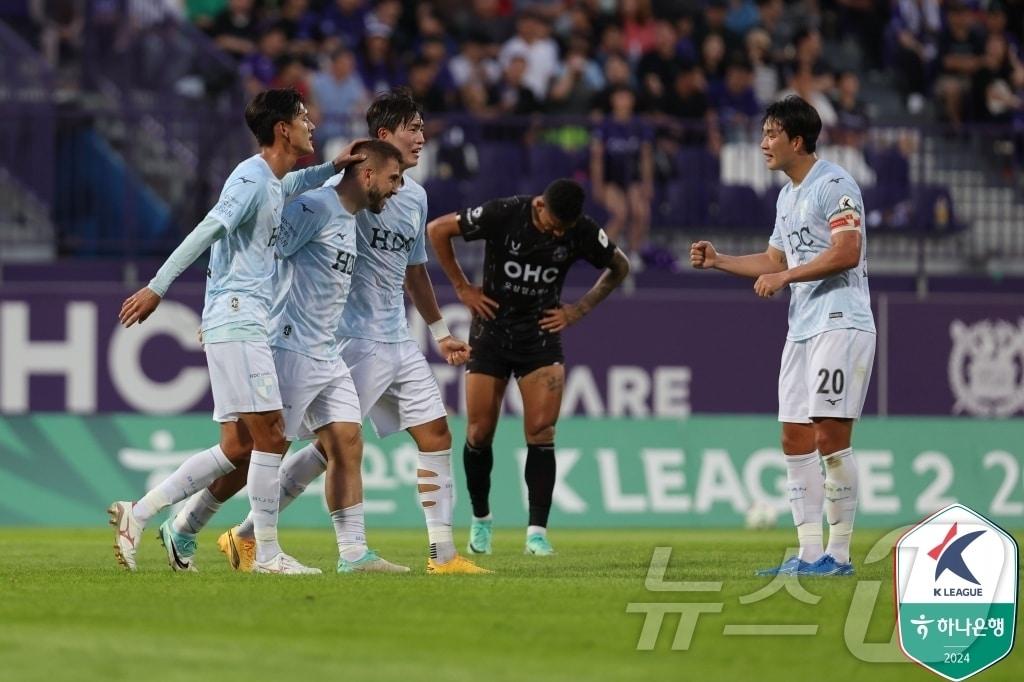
{"x": 480, "y": 537}
{"x": 180, "y": 548}
{"x": 538, "y": 545}
{"x": 369, "y": 563}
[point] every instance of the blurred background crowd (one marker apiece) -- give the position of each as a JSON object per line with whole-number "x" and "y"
{"x": 655, "y": 104}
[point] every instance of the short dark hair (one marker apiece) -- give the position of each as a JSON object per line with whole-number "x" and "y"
{"x": 797, "y": 118}
{"x": 564, "y": 198}
{"x": 378, "y": 151}
{"x": 392, "y": 110}
{"x": 269, "y": 108}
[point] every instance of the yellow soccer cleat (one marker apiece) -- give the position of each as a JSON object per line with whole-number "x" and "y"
{"x": 460, "y": 565}
{"x": 241, "y": 552}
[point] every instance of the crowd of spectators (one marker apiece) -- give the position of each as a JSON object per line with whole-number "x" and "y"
{"x": 647, "y": 75}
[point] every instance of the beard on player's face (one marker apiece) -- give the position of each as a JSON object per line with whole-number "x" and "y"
{"x": 375, "y": 199}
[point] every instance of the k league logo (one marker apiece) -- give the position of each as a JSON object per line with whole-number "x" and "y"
{"x": 956, "y": 588}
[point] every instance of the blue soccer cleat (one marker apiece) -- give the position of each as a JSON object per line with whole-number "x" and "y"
{"x": 825, "y": 567}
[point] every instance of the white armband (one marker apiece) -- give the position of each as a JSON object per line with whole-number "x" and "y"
{"x": 439, "y": 329}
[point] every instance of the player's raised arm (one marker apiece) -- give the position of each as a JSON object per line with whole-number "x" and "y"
{"x": 141, "y": 304}
{"x": 299, "y": 181}
{"x": 441, "y": 231}
{"x": 704, "y": 256}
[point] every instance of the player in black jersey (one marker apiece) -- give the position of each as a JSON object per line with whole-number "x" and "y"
{"x": 531, "y": 242}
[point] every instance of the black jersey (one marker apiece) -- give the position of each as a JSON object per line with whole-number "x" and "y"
{"x": 524, "y": 268}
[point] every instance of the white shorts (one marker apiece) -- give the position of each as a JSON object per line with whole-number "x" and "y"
{"x": 826, "y": 375}
{"x": 242, "y": 378}
{"x": 396, "y": 388}
{"x": 315, "y": 393}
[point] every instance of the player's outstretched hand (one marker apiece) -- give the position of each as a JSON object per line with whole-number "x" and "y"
{"x": 346, "y": 158}
{"x": 557, "y": 319}
{"x": 138, "y": 306}
{"x": 455, "y": 352}
{"x": 473, "y": 298}
{"x": 703, "y": 255}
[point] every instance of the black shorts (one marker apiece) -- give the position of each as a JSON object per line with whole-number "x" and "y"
{"x": 501, "y": 360}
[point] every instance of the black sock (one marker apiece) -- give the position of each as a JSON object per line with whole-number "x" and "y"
{"x": 478, "y": 462}
{"x": 540, "y": 481}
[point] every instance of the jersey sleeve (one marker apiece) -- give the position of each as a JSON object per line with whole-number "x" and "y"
{"x": 775, "y": 241}
{"x": 240, "y": 199}
{"x": 595, "y": 246}
{"x": 418, "y": 256}
{"x": 486, "y": 221}
{"x": 198, "y": 240}
{"x": 301, "y": 220}
{"x": 842, "y": 206}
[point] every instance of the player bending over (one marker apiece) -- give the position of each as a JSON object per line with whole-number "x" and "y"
{"x": 531, "y": 242}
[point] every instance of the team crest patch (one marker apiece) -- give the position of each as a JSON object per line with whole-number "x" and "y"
{"x": 287, "y": 330}
{"x": 986, "y": 367}
{"x": 956, "y": 587}
{"x": 475, "y": 214}
{"x": 560, "y": 254}
{"x": 235, "y": 305}
{"x": 263, "y": 385}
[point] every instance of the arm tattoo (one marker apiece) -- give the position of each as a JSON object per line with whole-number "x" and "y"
{"x": 606, "y": 284}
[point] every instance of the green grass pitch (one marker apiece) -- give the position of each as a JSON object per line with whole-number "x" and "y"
{"x": 68, "y": 613}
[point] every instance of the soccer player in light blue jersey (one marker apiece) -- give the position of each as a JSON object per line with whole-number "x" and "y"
{"x": 393, "y": 380}
{"x": 240, "y": 231}
{"x": 317, "y": 251}
{"x": 819, "y": 250}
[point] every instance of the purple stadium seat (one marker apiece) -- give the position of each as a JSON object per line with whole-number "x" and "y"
{"x": 738, "y": 207}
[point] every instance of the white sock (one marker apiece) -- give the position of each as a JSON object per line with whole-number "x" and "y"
{"x": 437, "y": 504}
{"x": 264, "y": 497}
{"x": 298, "y": 470}
{"x": 806, "y": 486}
{"x": 536, "y": 530}
{"x": 840, "y": 502}
{"x": 194, "y": 474}
{"x": 350, "y": 530}
{"x": 196, "y": 513}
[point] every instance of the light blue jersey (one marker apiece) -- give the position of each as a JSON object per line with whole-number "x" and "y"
{"x": 317, "y": 248}
{"x": 388, "y": 243}
{"x": 826, "y": 202}
{"x": 238, "y": 285}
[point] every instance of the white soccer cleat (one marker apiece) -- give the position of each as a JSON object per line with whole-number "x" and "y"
{"x": 284, "y": 564}
{"x": 127, "y": 533}
{"x": 370, "y": 562}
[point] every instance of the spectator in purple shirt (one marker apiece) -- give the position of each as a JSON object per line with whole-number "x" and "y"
{"x": 259, "y": 68}
{"x": 343, "y": 22}
{"x": 379, "y": 65}
{"x": 734, "y": 101}
{"x": 622, "y": 171}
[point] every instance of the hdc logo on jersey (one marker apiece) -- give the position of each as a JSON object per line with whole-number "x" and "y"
{"x": 387, "y": 240}
{"x": 956, "y": 588}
